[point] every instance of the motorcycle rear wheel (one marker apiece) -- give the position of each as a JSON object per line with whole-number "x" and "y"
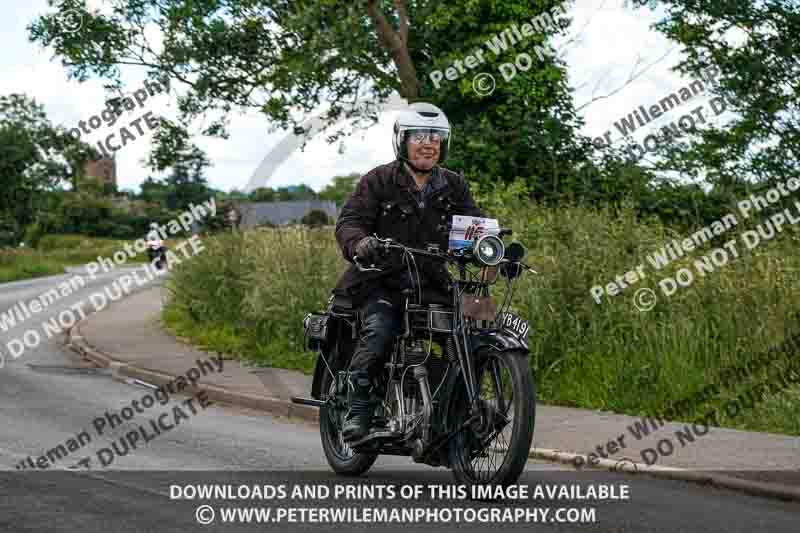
{"x": 507, "y": 396}
{"x": 342, "y": 459}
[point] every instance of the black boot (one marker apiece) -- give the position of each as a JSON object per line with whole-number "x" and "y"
{"x": 356, "y": 424}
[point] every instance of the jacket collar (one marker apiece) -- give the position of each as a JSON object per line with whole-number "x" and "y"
{"x": 403, "y": 178}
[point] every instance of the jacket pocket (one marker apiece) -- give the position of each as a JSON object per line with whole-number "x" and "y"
{"x": 441, "y": 215}
{"x": 394, "y": 220}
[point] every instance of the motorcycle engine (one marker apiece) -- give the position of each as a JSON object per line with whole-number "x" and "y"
{"x": 419, "y": 351}
{"x": 414, "y": 353}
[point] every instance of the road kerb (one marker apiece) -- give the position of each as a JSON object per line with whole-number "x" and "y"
{"x": 756, "y": 488}
{"x": 275, "y": 406}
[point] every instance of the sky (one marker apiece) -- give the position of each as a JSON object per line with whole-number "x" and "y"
{"x": 612, "y": 40}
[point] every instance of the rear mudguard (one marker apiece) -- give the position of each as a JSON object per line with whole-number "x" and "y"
{"x": 497, "y": 340}
{"x": 319, "y": 372}
{"x": 339, "y": 331}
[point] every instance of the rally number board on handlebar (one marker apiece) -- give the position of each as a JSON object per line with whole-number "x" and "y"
{"x": 466, "y": 229}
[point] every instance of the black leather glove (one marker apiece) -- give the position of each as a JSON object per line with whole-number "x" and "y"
{"x": 368, "y": 249}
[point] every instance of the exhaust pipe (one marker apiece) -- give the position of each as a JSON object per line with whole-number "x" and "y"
{"x": 308, "y": 401}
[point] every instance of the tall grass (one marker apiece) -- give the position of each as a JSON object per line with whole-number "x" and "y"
{"x": 17, "y": 265}
{"x": 247, "y": 294}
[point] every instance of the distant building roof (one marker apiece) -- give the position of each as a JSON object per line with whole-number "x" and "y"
{"x": 257, "y": 213}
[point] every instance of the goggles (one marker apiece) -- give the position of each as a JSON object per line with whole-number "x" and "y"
{"x": 421, "y": 136}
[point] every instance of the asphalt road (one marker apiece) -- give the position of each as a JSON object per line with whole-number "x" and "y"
{"x": 47, "y": 396}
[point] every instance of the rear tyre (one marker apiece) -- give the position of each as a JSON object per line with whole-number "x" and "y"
{"x": 342, "y": 459}
{"x": 494, "y": 449}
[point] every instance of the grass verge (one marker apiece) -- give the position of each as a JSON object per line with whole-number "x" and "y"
{"x": 55, "y": 252}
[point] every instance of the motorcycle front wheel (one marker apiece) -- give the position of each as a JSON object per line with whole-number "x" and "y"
{"x": 493, "y": 448}
{"x": 341, "y": 457}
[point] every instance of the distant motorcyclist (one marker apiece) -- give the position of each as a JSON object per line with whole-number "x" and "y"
{"x": 156, "y": 252}
{"x": 411, "y": 200}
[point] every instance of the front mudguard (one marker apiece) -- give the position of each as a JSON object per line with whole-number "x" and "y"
{"x": 499, "y": 340}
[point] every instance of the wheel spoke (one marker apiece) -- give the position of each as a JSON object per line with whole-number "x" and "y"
{"x": 335, "y": 421}
{"x": 488, "y": 453}
{"x": 498, "y": 383}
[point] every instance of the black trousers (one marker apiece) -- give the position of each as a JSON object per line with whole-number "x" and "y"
{"x": 381, "y": 317}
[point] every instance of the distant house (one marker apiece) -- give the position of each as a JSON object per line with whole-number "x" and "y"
{"x": 103, "y": 170}
{"x": 253, "y": 214}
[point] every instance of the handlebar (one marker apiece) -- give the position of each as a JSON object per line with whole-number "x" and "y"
{"x": 363, "y": 268}
{"x": 391, "y": 244}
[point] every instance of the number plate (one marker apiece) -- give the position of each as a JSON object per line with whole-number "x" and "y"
{"x": 514, "y": 324}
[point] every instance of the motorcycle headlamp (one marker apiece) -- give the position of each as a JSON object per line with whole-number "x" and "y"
{"x": 489, "y": 250}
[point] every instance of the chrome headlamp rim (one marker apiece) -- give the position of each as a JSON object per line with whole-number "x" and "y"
{"x": 497, "y": 244}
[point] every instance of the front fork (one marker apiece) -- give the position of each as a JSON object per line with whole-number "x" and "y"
{"x": 464, "y": 353}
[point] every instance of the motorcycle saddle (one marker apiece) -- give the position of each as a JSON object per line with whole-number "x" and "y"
{"x": 342, "y": 306}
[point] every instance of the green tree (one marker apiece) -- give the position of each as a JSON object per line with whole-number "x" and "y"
{"x": 340, "y": 188}
{"x": 754, "y": 47}
{"x": 262, "y": 194}
{"x": 234, "y": 195}
{"x": 153, "y": 190}
{"x": 274, "y": 56}
{"x": 186, "y": 182}
{"x": 316, "y": 217}
{"x": 221, "y": 220}
{"x": 35, "y": 157}
{"x": 187, "y": 187}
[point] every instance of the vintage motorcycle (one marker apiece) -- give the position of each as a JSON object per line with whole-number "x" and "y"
{"x": 457, "y": 390}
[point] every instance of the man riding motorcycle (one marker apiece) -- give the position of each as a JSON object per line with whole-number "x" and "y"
{"x": 412, "y": 201}
{"x": 156, "y": 253}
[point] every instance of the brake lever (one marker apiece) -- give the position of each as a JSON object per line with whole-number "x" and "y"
{"x": 363, "y": 268}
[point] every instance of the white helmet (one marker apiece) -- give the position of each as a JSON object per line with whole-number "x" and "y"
{"x": 425, "y": 117}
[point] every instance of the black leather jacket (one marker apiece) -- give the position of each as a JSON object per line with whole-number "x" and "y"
{"x": 385, "y": 204}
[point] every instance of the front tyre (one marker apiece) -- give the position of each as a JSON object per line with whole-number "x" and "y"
{"x": 494, "y": 447}
{"x": 342, "y": 459}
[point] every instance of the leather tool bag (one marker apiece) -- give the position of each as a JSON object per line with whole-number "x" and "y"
{"x": 478, "y": 307}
